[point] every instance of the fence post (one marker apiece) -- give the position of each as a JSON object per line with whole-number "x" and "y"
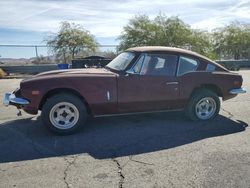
{"x": 36, "y": 52}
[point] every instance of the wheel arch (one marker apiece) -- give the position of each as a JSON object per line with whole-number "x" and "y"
{"x": 202, "y": 91}
{"x": 55, "y": 91}
{"x": 212, "y": 87}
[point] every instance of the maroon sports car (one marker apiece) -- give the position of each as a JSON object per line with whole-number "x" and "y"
{"x": 141, "y": 79}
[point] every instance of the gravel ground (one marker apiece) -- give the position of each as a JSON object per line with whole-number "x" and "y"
{"x": 153, "y": 150}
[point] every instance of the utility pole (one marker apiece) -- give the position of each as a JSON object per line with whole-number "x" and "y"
{"x": 36, "y": 52}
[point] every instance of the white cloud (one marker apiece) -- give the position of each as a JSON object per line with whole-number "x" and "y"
{"x": 107, "y": 18}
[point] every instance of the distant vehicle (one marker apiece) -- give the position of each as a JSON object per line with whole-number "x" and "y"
{"x": 141, "y": 79}
{"x": 90, "y": 61}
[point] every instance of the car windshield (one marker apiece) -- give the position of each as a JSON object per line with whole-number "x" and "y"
{"x": 121, "y": 61}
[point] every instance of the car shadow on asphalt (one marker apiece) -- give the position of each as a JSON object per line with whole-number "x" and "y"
{"x": 109, "y": 137}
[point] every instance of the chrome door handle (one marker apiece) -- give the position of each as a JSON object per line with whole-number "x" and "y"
{"x": 172, "y": 83}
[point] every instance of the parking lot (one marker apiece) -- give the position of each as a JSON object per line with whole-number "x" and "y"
{"x": 150, "y": 150}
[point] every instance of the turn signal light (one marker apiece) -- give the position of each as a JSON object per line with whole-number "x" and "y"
{"x": 35, "y": 92}
{"x": 237, "y": 84}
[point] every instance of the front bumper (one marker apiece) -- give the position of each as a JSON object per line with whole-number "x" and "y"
{"x": 11, "y": 99}
{"x": 237, "y": 91}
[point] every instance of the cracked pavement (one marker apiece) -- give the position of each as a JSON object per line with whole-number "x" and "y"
{"x": 122, "y": 177}
{"x": 151, "y": 150}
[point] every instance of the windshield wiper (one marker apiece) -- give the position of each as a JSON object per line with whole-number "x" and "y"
{"x": 108, "y": 68}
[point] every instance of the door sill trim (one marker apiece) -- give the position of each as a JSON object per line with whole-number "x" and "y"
{"x": 135, "y": 113}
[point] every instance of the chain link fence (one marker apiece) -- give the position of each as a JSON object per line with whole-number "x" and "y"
{"x": 41, "y": 54}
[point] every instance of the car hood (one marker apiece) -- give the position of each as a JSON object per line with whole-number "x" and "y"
{"x": 87, "y": 71}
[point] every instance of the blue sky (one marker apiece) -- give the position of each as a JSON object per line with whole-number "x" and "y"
{"x": 30, "y": 21}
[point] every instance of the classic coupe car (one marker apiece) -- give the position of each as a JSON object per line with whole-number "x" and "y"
{"x": 141, "y": 79}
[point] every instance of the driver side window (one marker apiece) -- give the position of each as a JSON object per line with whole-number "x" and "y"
{"x": 156, "y": 65}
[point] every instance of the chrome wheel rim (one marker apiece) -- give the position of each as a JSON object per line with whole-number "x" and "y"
{"x": 205, "y": 108}
{"x": 64, "y": 115}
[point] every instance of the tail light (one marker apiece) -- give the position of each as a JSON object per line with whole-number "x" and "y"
{"x": 237, "y": 83}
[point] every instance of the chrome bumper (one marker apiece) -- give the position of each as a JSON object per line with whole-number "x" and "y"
{"x": 237, "y": 91}
{"x": 11, "y": 99}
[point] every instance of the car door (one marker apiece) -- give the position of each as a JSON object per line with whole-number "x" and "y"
{"x": 150, "y": 85}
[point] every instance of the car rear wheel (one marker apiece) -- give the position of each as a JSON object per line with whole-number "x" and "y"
{"x": 203, "y": 105}
{"x": 64, "y": 113}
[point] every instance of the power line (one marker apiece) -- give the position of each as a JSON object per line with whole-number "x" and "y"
{"x": 44, "y": 46}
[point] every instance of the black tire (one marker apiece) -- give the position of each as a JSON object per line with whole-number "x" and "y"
{"x": 196, "y": 98}
{"x": 72, "y": 106}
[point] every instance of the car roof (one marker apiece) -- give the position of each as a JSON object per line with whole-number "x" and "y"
{"x": 166, "y": 49}
{"x": 172, "y": 49}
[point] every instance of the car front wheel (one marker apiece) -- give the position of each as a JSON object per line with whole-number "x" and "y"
{"x": 64, "y": 113}
{"x": 203, "y": 105}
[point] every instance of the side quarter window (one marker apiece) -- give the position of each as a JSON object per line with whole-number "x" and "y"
{"x": 210, "y": 67}
{"x": 138, "y": 65}
{"x": 187, "y": 64}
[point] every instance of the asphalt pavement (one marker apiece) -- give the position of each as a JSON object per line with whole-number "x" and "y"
{"x": 150, "y": 150}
